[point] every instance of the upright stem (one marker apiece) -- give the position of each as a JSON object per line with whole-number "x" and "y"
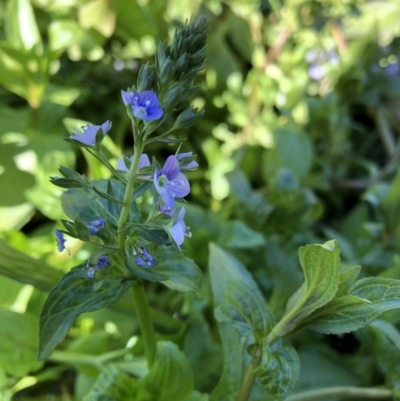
{"x": 146, "y": 326}
{"x": 247, "y": 383}
{"x": 142, "y": 308}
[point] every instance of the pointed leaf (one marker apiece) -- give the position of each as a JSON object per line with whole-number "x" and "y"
{"x": 278, "y": 371}
{"x": 72, "y": 296}
{"x": 112, "y": 385}
{"x": 170, "y": 377}
{"x": 367, "y": 299}
{"x": 321, "y": 268}
{"x": 246, "y": 309}
{"x": 347, "y": 279}
{"x": 148, "y": 273}
{"x": 184, "y": 275}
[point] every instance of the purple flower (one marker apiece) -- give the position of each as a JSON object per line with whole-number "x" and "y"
{"x": 95, "y": 226}
{"x": 143, "y": 162}
{"x": 145, "y": 259}
{"x": 170, "y": 183}
{"x": 144, "y": 104}
{"x": 187, "y": 166}
{"x": 60, "y": 240}
{"x": 102, "y": 263}
{"x": 88, "y": 136}
{"x": 316, "y": 72}
{"x": 179, "y": 230}
{"x": 392, "y": 69}
{"x": 165, "y": 210}
{"x": 311, "y": 56}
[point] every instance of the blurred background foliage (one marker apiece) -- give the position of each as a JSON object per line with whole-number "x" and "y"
{"x": 299, "y": 144}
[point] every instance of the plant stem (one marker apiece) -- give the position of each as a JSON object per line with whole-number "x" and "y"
{"x": 146, "y": 326}
{"x": 247, "y": 383}
{"x": 344, "y": 391}
{"x": 142, "y": 308}
{"x": 130, "y": 186}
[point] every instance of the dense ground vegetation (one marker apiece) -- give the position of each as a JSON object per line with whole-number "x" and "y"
{"x": 299, "y": 144}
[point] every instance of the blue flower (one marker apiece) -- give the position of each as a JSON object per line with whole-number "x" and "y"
{"x": 316, "y": 72}
{"x": 145, "y": 259}
{"x": 143, "y": 162}
{"x": 179, "y": 230}
{"x": 60, "y": 240}
{"x": 145, "y": 105}
{"x": 187, "y": 166}
{"x": 102, "y": 263}
{"x": 95, "y": 226}
{"x": 88, "y": 136}
{"x": 170, "y": 183}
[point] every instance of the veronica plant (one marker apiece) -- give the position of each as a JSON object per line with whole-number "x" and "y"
{"x": 134, "y": 244}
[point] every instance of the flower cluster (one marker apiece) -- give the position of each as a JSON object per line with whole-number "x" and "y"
{"x": 169, "y": 182}
{"x": 318, "y": 61}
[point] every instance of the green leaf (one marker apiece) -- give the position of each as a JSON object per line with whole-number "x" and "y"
{"x": 84, "y": 203}
{"x": 72, "y": 296}
{"x": 183, "y": 274}
{"x": 224, "y": 269}
{"x": 235, "y": 234}
{"x": 246, "y": 309}
{"x": 113, "y": 385}
{"x": 367, "y": 299}
{"x": 321, "y": 268}
{"x": 147, "y": 273}
{"x": 278, "y": 371}
{"x": 347, "y": 279}
{"x": 18, "y": 343}
{"x": 170, "y": 377}
{"x": 21, "y": 27}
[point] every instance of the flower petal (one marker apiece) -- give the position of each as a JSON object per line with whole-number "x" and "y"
{"x": 171, "y": 168}
{"x": 179, "y": 186}
{"x": 178, "y": 232}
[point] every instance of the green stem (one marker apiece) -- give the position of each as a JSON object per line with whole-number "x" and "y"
{"x": 344, "y": 391}
{"x": 142, "y": 308}
{"x": 130, "y": 186}
{"x": 146, "y": 326}
{"x": 247, "y": 383}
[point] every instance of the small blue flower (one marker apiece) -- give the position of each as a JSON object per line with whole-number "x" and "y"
{"x": 88, "y": 136}
{"x": 165, "y": 210}
{"x": 143, "y": 162}
{"x": 316, "y": 72}
{"x": 145, "y": 259}
{"x": 60, "y": 240}
{"x": 179, "y": 230}
{"x": 170, "y": 183}
{"x": 95, "y": 226}
{"x": 102, "y": 263}
{"x": 188, "y": 166}
{"x": 145, "y": 105}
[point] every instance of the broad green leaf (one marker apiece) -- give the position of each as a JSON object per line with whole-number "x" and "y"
{"x": 147, "y": 273}
{"x": 224, "y": 269}
{"x": 86, "y": 205}
{"x": 18, "y": 343}
{"x": 246, "y": 309}
{"x": 196, "y": 396}
{"x": 23, "y": 268}
{"x": 170, "y": 377}
{"x": 321, "y": 268}
{"x": 183, "y": 274}
{"x": 347, "y": 279}
{"x": 113, "y": 385}
{"x": 367, "y": 299}
{"x": 342, "y": 315}
{"x": 21, "y": 26}
{"x": 278, "y": 371}
{"x": 72, "y": 296}
{"x": 235, "y": 234}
